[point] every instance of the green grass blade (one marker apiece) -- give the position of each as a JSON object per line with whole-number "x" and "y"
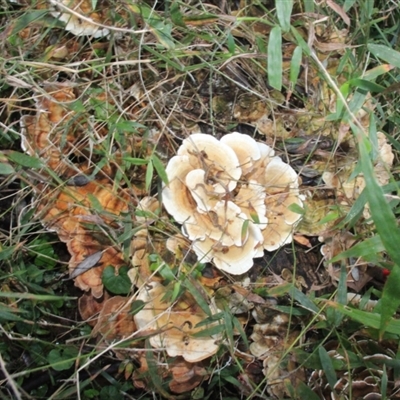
{"x": 300, "y": 41}
{"x": 159, "y": 166}
{"x": 367, "y": 247}
{"x": 198, "y": 296}
{"x": 158, "y": 25}
{"x": 295, "y": 64}
{"x": 327, "y": 366}
{"x": 149, "y": 175}
{"x": 275, "y": 58}
{"x": 35, "y": 297}
{"x": 366, "y": 318}
{"x": 303, "y": 300}
{"x": 25, "y": 160}
{"x": 304, "y": 392}
{"x": 386, "y": 226}
{"x": 27, "y": 18}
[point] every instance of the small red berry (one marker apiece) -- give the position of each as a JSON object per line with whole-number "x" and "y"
{"x": 385, "y": 272}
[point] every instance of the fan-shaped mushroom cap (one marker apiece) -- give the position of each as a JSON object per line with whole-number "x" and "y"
{"x": 79, "y": 26}
{"x": 174, "y": 324}
{"x": 226, "y": 192}
{"x": 202, "y": 192}
{"x": 115, "y": 320}
{"x": 185, "y": 376}
{"x": 224, "y": 224}
{"x": 279, "y": 176}
{"x": 218, "y": 160}
{"x": 281, "y": 220}
{"x": 251, "y": 200}
{"x": 266, "y": 154}
{"x": 233, "y": 259}
{"x": 147, "y": 205}
{"x": 245, "y": 148}
{"x": 176, "y": 198}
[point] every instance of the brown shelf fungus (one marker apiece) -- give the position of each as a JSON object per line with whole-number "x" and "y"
{"x": 232, "y": 197}
{"x": 173, "y": 326}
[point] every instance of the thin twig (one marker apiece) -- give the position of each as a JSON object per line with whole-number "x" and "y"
{"x": 9, "y": 379}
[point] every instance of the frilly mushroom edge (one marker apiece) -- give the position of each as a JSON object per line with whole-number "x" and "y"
{"x": 232, "y": 197}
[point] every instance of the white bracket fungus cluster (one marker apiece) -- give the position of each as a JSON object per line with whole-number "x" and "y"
{"x": 232, "y": 197}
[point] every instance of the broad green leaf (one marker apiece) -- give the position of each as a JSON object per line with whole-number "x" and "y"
{"x": 135, "y": 161}
{"x": 62, "y": 359}
{"x": 386, "y": 226}
{"x": 149, "y": 176}
{"x": 116, "y": 282}
{"x": 6, "y": 169}
{"x": 159, "y": 166}
{"x": 230, "y": 41}
{"x": 295, "y": 64}
{"x": 327, "y": 366}
{"x": 24, "y": 160}
{"x": 284, "y": 12}
{"x": 385, "y": 53}
{"x": 275, "y": 58}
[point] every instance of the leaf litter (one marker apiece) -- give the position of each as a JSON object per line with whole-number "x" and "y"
{"x": 122, "y": 124}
